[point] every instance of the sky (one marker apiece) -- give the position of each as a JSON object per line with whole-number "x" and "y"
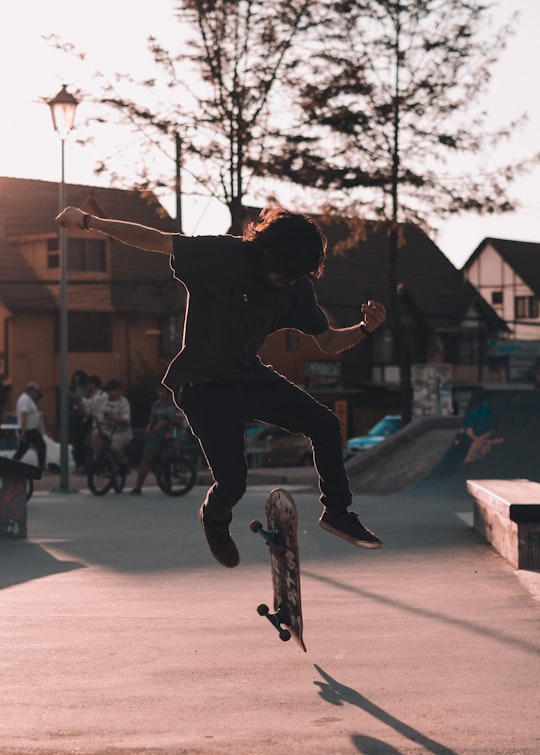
{"x": 113, "y": 33}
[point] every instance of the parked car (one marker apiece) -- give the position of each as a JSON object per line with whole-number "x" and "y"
{"x": 9, "y": 440}
{"x": 388, "y": 425}
{"x": 272, "y": 446}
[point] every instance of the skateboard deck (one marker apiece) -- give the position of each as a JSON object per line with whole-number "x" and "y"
{"x": 281, "y": 537}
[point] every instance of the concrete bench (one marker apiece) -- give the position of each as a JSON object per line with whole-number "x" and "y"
{"x": 14, "y": 485}
{"x": 507, "y": 515}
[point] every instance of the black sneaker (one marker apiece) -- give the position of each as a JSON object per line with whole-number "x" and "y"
{"x": 348, "y": 526}
{"x": 219, "y": 540}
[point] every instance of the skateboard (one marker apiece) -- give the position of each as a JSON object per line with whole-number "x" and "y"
{"x": 280, "y": 536}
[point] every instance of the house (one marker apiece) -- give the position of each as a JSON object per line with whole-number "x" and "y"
{"x": 124, "y": 309}
{"x": 444, "y": 321}
{"x": 507, "y": 274}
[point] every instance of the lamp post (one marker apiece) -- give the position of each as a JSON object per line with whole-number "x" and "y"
{"x": 63, "y": 108}
{"x": 178, "y": 181}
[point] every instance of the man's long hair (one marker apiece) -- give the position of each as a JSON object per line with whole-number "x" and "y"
{"x": 293, "y": 243}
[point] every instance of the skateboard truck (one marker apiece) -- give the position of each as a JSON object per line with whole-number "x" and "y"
{"x": 281, "y": 616}
{"x": 274, "y": 539}
{"x": 276, "y": 542}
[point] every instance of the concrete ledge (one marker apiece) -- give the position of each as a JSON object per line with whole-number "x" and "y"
{"x": 507, "y": 515}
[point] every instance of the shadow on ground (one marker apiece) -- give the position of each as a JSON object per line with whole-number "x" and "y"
{"x": 23, "y": 562}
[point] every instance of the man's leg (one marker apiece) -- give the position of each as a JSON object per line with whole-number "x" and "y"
{"x": 153, "y": 444}
{"x": 95, "y": 443}
{"x": 22, "y": 448}
{"x": 283, "y": 404}
{"x": 118, "y": 449}
{"x": 144, "y": 468}
{"x": 41, "y": 449}
{"x": 216, "y": 417}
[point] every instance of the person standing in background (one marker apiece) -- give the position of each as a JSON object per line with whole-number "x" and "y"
{"x": 29, "y": 419}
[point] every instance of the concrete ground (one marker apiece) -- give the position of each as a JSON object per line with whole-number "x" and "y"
{"x": 121, "y": 634}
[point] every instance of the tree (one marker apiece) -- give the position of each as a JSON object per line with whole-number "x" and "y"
{"x": 392, "y": 94}
{"x": 234, "y": 55}
{"x": 389, "y": 99}
{"x": 243, "y": 48}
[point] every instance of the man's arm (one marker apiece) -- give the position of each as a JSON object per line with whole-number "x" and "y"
{"x": 131, "y": 234}
{"x": 336, "y": 340}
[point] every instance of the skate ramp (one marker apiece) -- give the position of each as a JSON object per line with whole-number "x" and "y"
{"x": 403, "y": 459}
{"x": 498, "y": 438}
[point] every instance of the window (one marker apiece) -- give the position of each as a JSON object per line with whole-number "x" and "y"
{"x": 87, "y": 255}
{"x": 461, "y": 348}
{"x": 467, "y": 350}
{"x": 87, "y": 331}
{"x": 496, "y": 297}
{"x": 83, "y": 255}
{"x": 525, "y": 307}
{"x": 53, "y": 257}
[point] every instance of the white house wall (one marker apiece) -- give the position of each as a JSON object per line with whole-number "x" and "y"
{"x": 489, "y": 273}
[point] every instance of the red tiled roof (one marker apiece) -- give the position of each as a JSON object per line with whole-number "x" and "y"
{"x": 23, "y": 288}
{"x": 29, "y": 206}
{"x": 141, "y": 281}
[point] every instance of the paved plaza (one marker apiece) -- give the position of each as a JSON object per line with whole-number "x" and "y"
{"x": 121, "y": 634}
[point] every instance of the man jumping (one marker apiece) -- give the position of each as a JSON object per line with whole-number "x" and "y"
{"x": 241, "y": 289}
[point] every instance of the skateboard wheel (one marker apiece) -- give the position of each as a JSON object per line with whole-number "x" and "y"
{"x": 263, "y": 609}
{"x": 284, "y": 635}
{"x": 255, "y": 526}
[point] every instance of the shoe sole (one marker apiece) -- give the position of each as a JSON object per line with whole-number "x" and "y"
{"x": 349, "y": 538}
{"x": 226, "y": 564}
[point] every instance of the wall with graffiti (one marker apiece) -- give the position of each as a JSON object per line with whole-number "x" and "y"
{"x": 500, "y": 437}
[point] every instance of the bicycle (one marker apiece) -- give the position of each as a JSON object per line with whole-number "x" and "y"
{"x": 175, "y": 475}
{"x": 104, "y": 472}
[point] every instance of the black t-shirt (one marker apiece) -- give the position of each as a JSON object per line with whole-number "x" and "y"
{"x": 231, "y": 308}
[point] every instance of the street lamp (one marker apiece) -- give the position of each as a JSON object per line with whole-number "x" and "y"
{"x": 178, "y": 182}
{"x": 63, "y": 108}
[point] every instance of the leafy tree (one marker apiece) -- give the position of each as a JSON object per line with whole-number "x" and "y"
{"x": 386, "y": 120}
{"x": 388, "y": 101}
{"x": 233, "y": 56}
{"x": 242, "y": 50}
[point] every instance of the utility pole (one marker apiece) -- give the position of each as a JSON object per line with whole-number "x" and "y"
{"x": 401, "y": 354}
{"x": 178, "y": 180}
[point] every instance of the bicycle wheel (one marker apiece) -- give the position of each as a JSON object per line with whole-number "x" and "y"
{"x": 101, "y": 474}
{"x": 176, "y": 476}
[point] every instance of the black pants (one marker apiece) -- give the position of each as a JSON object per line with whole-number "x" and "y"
{"x": 33, "y": 438}
{"x": 79, "y": 430}
{"x": 217, "y": 413}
